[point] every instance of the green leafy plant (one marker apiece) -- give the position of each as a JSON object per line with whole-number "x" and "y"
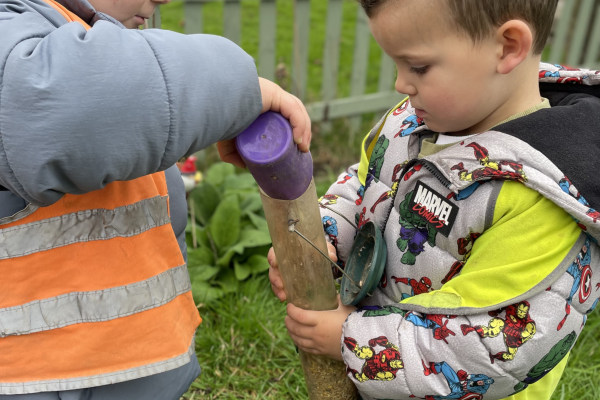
{"x": 227, "y": 236}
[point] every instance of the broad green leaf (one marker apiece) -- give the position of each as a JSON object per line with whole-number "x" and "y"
{"x": 257, "y": 264}
{"x": 245, "y": 223}
{"x": 258, "y": 221}
{"x": 249, "y": 238}
{"x": 217, "y": 173}
{"x": 228, "y": 281}
{"x": 253, "y": 265}
{"x": 204, "y": 199}
{"x": 251, "y": 202}
{"x": 240, "y": 182}
{"x": 203, "y": 292}
{"x": 202, "y": 272}
{"x": 242, "y": 270}
{"x": 260, "y": 250}
{"x": 254, "y": 237}
{"x": 201, "y": 238}
{"x": 225, "y": 223}
{"x": 200, "y": 256}
{"x": 225, "y": 259}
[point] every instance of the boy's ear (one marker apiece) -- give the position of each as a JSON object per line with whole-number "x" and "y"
{"x": 515, "y": 39}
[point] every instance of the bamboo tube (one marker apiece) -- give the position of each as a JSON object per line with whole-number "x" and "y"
{"x": 305, "y": 272}
{"x": 308, "y": 282}
{"x": 291, "y": 208}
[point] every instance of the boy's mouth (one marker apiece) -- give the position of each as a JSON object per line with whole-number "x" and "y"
{"x": 419, "y": 113}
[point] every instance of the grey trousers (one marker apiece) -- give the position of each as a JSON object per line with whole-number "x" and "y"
{"x": 170, "y": 385}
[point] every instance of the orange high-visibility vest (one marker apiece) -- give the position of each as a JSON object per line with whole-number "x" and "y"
{"x": 94, "y": 290}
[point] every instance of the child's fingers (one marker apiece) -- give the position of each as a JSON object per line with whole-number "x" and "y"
{"x": 305, "y": 344}
{"x": 275, "y": 276}
{"x": 301, "y": 125}
{"x": 228, "y": 153}
{"x": 271, "y": 258}
{"x": 317, "y": 332}
{"x": 301, "y": 334}
{"x": 277, "y": 284}
{"x": 276, "y": 99}
{"x": 331, "y": 252}
{"x": 302, "y": 316}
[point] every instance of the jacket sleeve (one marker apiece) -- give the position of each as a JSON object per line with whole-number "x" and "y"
{"x": 81, "y": 109}
{"x": 339, "y": 211}
{"x": 505, "y": 345}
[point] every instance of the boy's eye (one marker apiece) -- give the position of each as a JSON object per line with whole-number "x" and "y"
{"x": 420, "y": 70}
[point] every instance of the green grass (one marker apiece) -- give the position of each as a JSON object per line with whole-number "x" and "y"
{"x": 244, "y": 349}
{"x": 581, "y": 378}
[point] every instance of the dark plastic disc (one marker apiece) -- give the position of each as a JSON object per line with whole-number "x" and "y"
{"x": 365, "y": 265}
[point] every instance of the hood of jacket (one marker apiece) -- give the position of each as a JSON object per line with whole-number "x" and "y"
{"x": 568, "y": 133}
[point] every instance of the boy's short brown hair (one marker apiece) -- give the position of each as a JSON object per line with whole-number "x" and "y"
{"x": 477, "y": 18}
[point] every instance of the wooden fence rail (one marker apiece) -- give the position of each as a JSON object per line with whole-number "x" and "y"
{"x": 575, "y": 41}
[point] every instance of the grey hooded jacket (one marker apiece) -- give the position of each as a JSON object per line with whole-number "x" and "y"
{"x": 492, "y": 259}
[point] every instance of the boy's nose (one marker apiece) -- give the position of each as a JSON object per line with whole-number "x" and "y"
{"x": 404, "y": 86}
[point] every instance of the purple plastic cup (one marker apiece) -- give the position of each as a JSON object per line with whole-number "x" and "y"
{"x": 267, "y": 147}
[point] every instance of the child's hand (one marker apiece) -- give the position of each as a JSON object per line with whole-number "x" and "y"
{"x": 274, "y": 98}
{"x": 318, "y": 332}
{"x": 275, "y": 274}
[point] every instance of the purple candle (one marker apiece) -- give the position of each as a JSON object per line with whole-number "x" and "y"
{"x": 267, "y": 147}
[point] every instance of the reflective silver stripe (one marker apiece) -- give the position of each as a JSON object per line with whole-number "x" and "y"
{"x": 29, "y": 209}
{"x": 83, "y": 226}
{"x": 94, "y": 306}
{"x": 55, "y": 385}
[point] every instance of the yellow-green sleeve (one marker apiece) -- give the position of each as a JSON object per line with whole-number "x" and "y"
{"x": 529, "y": 238}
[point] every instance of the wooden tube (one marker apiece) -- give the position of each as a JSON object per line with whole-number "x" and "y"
{"x": 306, "y": 273}
{"x": 289, "y": 198}
{"x": 308, "y": 282}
